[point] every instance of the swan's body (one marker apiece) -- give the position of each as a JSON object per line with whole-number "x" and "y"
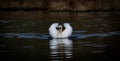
{"x": 60, "y": 33}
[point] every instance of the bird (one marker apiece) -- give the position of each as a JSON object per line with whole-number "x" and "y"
{"x": 56, "y": 30}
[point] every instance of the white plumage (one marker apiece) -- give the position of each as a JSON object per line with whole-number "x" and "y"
{"x": 60, "y": 33}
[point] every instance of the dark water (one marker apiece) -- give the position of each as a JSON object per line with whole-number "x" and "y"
{"x": 95, "y": 38}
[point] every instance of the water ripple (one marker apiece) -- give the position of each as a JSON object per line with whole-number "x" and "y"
{"x": 47, "y": 36}
{"x": 4, "y": 21}
{"x": 81, "y": 36}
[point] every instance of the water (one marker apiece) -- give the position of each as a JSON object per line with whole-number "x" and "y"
{"x": 24, "y": 36}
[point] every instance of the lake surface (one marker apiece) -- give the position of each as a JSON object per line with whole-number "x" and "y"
{"x": 24, "y": 36}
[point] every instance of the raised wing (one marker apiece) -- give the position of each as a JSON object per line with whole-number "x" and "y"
{"x": 52, "y": 30}
{"x": 68, "y": 30}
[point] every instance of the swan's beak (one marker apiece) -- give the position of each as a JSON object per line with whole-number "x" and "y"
{"x": 59, "y": 28}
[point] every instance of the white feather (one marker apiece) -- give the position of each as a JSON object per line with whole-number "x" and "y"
{"x": 52, "y": 30}
{"x": 64, "y": 34}
{"x": 68, "y": 30}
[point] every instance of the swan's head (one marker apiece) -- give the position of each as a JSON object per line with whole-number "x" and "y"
{"x": 59, "y": 28}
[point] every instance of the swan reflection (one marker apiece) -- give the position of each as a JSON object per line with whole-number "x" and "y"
{"x": 60, "y": 49}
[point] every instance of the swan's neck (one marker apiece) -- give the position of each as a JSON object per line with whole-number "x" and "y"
{"x": 59, "y": 34}
{"x": 60, "y": 30}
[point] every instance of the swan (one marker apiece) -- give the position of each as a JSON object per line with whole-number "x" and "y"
{"x": 56, "y": 30}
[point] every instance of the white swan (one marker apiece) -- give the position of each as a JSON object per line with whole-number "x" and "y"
{"x": 56, "y": 30}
